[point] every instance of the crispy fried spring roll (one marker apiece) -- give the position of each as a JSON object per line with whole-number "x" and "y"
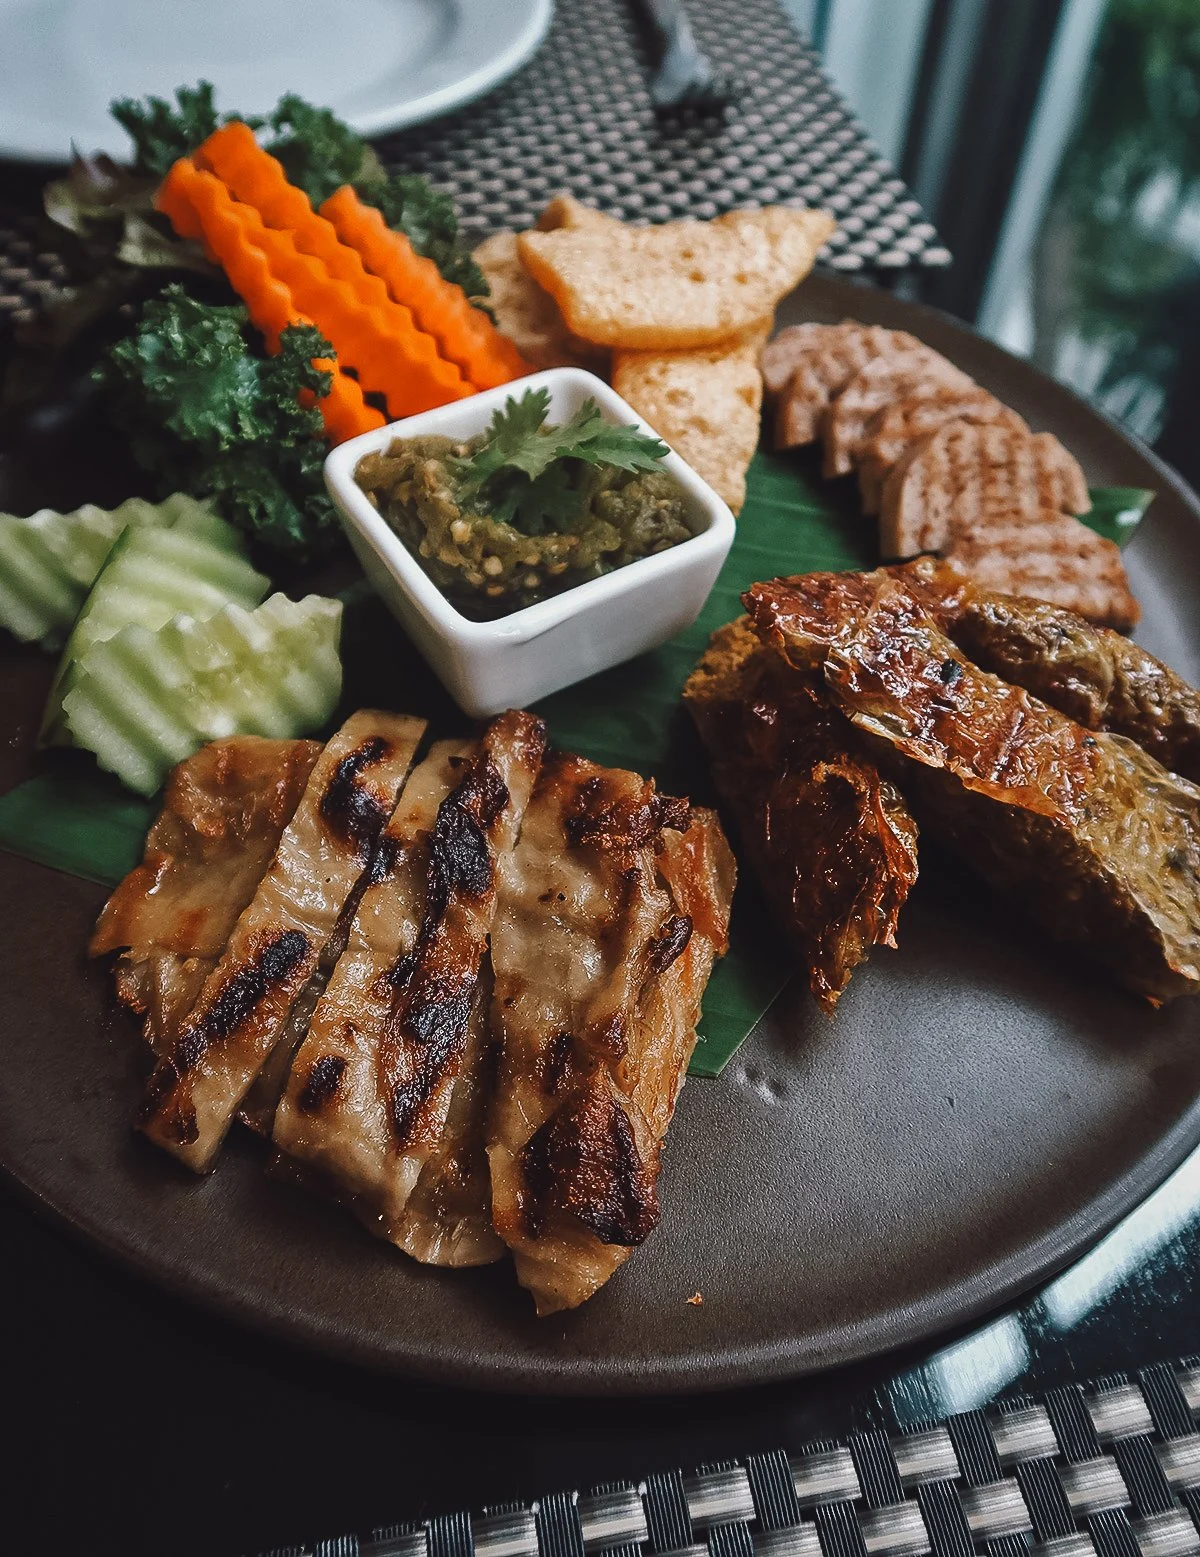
{"x": 832, "y": 841}
{"x": 1094, "y": 839}
{"x": 1091, "y": 674}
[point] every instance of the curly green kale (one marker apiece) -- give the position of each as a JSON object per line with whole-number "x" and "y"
{"x": 208, "y": 416}
{"x": 319, "y": 152}
{"x": 161, "y": 134}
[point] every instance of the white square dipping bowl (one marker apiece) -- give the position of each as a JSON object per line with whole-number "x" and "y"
{"x": 516, "y": 659}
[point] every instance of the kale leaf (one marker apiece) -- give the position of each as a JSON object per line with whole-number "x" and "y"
{"x": 319, "y": 152}
{"x": 161, "y": 134}
{"x": 206, "y": 415}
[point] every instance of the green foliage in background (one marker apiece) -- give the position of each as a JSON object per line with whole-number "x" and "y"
{"x": 1119, "y": 259}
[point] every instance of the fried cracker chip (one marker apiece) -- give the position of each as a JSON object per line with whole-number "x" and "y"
{"x": 528, "y": 315}
{"x": 680, "y": 285}
{"x": 705, "y": 404}
{"x": 565, "y": 211}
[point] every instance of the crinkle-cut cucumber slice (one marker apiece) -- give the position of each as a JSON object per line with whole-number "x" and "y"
{"x": 49, "y": 560}
{"x": 194, "y": 568}
{"x": 144, "y": 699}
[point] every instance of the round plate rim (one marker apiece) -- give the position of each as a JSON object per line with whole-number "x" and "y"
{"x": 942, "y": 1309}
{"x": 530, "y": 21}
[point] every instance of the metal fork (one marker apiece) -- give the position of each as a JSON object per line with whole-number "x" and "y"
{"x": 685, "y": 76}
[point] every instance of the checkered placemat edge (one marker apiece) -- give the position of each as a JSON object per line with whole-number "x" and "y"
{"x": 1110, "y": 1469}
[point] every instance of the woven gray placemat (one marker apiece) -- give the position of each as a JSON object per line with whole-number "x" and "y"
{"x": 579, "y": 117}
{"x": 1110, "y": 1469}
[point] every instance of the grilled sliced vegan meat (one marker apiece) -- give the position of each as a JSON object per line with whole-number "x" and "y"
{"x": 612, "y": 908}
{"x": 334, "y": 1113}
{"x": 448, "y": 1218}
{"x": 1049, "y": 556}
{"x": 1098, "y": 842}
{"x": 905, "y": 375}
{"x": 224, "y": 810}
{"x": 1093, "y": 674}
{"x": 806, "y": 365}
{"x": 965, "y": 474}
{"x": 904, "y": 423}
{"x": 387, "y": 1091}
{"x": 832, "y": 841}
{"x": 278, "y": 942}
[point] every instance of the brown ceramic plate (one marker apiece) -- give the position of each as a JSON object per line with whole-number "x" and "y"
{"x": 977, "y": 1114}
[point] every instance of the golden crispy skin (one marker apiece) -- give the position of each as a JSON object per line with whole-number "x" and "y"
{"x": 1092, "y": 674}
{"x": 612, "y": 909}
{"x": 280, "y": 939}
{"x": 387, "y": 1092}
{"x": 223, "y": 812}
{"x": 831, "y": 840}
{"x": 1097, "y": 842}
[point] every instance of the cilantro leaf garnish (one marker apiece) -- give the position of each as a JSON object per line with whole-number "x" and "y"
{"x": 529, "y": 474}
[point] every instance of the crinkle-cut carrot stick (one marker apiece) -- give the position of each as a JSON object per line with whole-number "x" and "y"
{"x": 412, "y": 284}
{"x": 269, "y": 303}
{"x": 465, "y": 335}
{"x": 257, "y": 179}
{"x": 174, "y": 201}
{"x": 349, "y": 236}
{"x": 343, "y": 410}
{"x": 254, "y": 176}
{"x": 377, "y": 339}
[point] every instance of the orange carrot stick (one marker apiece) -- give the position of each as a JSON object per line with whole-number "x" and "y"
{"x": 347, "y": 235}
{"x": 258, "y": 179}
{"x": 271, "y": 307}
{"x": 370, "y": 333}
{"x": 465, "y": 335}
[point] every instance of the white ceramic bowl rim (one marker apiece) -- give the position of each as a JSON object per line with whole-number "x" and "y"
{"x": 531, "y": 621}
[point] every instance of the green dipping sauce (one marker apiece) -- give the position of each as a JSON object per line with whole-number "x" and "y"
{"x": 604, "y": 518}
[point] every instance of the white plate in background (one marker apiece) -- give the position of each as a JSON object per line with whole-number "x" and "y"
{"x": 379, "y": 64}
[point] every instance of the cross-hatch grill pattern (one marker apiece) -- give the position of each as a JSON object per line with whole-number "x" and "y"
{"x": 1108, "y": 1471}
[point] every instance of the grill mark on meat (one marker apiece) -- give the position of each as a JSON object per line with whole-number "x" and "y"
{"x": 324, "y": 1079}
{"x": 584, "y": 1163}
{"x": 459, "y": 856}
{"x": 272, "y": 963}
{"x": 436, "y": 1018}
{"x": 611, "y": 821}
{"x": 385, "y": 856}
{"x": 554, "y": 1061}
{"x": 669, "y": 943}
{"x": 432, "y": 1006}
{"x": 351, "y": 812}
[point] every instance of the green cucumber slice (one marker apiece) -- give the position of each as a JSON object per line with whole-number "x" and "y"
{"x": 143, "y": 699}
{"x": 194, "y": 568}
{"x": 49, "y": 560}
